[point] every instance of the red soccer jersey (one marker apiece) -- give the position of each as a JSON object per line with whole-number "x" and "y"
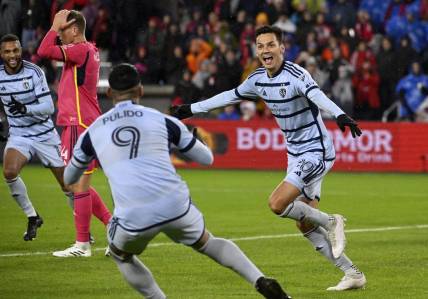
{"x": 77, "y": 91}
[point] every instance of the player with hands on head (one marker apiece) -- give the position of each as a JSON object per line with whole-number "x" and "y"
{"x": 77, "y": 108}
{"x": 295, "y": 99}
{"x": 132, "y": 143}
{"x": 28, "y": 106}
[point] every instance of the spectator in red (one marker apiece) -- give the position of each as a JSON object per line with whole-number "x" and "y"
{"x": 362, "y": 54}
{"x": 363, "y": 27}
{"x": 366, "y": 84}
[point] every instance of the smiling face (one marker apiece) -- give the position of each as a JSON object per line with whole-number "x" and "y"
{"x": 11, "y": 54}
{"x": 270, "y": 52}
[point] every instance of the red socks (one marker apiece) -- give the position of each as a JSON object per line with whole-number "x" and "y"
{"x": 99, "y": 209}
{"x": 82, "y": 215}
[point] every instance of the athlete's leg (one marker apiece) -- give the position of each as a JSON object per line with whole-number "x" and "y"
{"x": 123, "y": 249}
{"x": 13, "y": 162}
{"x": 58, "y": 173}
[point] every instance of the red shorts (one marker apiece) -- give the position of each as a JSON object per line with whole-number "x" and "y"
{"x": 69, "y": 136}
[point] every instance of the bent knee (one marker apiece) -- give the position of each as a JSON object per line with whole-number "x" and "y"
{"x": 10, "y": 173}
{"x": 277, "y": 205}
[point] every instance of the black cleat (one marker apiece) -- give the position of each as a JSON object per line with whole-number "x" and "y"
{"x": 270, "y": 288}
{"x": 34, "y": 223}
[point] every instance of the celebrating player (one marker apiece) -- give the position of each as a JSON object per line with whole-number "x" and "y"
{"x": 132, "y": 144}
{"x": 28, "y": 105}
{"x": 294, "y": 99}
{"x": 77, "y": 109}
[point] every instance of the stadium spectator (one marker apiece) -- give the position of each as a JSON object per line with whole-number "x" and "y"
{"x": 231, "y": 70}
{"x": 174, "y": 66}
{"x": 229, "y": 113}
{"x": 322, "y": 30}
{"x": 342, "y": 91}
{"x": 78, "y": 108}
{"x": 149, "y": 197}
{"x": 185, "y": 91}
{"x": 248, "y": 110}
{"x": 404, "y": 54}
{"x": 361, "y": 55}
{"x": 28, "y": 107}
{"x": 387, "y": 67}
{"x": 366, "y": 84}
{"x": 320, "y": 77}
{"x": 199, "y": 51}
{"x": 363, "y": 27}
{"x": 310, "y": 150}
{"x": 341, "y": 13}
{"x": 412, "y": 91}
{"x": 10, "y": 12}
{"x": 285, "y": 24}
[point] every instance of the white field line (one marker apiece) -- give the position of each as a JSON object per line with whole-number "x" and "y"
{"x": 350, "y": 231}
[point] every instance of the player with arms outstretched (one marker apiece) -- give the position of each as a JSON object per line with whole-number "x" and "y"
{"x": 294, "y": 99}
{"x": 132, "y": 143}
{"x": 77, "y": 109}
{"x": 28, "y": 106}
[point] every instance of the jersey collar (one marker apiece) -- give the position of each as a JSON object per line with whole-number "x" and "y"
{"x": 278, "y": 71}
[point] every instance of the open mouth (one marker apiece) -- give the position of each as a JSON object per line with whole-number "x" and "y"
{"x": 13, "y": 62}
{"x": 268, "y": 59}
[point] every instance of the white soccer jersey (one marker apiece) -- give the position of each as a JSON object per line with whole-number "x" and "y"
{"x": 29, "y": 87}
{"x": 132, "y": 144}
{"x": 293, "y": 97}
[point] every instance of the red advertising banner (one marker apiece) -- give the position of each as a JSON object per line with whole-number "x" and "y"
{"x": 262, "y": 145}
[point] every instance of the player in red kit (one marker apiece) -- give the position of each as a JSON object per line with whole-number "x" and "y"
{"x": 77, "y": 109}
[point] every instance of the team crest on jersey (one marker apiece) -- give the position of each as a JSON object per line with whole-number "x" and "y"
{"x": 26, "y": 84}
{"x": 282, "y": 92}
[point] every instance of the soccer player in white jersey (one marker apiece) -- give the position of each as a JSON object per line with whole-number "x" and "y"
{"x": 132, "y": 144}
{"x": 28, "y": 105}
{"x": 294, "y": 99}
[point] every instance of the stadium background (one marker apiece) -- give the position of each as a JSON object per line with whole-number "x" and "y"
{"x": 188, "y": 50}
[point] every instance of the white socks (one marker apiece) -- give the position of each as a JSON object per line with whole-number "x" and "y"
{"x": 19, "y": 193}
{"x": 299, "y": 211}
{"x": 139, "y": 277}
{"x": 226, "y": 253}
{"x": 318, "y": 238}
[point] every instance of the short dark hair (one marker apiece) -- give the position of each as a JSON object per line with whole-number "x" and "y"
{"x": 9, "y": 38}
{"x": 123, "y": 77}
{"x": 80, "y": 20}
{"x": 270, "y": 29}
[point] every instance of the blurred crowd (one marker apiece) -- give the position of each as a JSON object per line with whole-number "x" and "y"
{"x": 370, "y": 57}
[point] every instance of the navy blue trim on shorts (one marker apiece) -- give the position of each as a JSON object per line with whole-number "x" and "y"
{"x": 160, "y": 223}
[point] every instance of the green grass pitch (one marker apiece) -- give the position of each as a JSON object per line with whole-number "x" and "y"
{"x": 387, "y": 231}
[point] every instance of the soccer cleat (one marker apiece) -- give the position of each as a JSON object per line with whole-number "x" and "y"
{"x": 349, "y": 282}
{"x": 74, "y": 251}
{"x": 91, "y": 239}
{"x": 107, "y": 252}
{"x": 34, "y": 223}
{"x": 270, "y": 288}
{"x": 336, "y": 234}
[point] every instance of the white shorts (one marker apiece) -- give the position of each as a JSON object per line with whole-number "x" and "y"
{"x": 306, "y": 172}
{"x": 48, "y": 152}
{"x": 187, "y": 230}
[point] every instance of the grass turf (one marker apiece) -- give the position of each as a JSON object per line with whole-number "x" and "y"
{"x": 234, "y": 204}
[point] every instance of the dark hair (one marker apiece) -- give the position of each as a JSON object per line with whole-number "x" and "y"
{"x": 123, "y": 77}
{"x": 8, "y": 38}
{"x": 270, "y": 29}
{"x": 80, "y": 20}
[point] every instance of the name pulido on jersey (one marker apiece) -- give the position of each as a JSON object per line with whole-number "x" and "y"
{"x": 122, "y": 114}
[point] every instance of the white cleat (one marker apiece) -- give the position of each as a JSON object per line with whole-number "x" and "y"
{"x": 107, "y": 252}
{"x": 73, "y": 251}
{"x": 350, "y": 282}
{"x": 336, "y": 235}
